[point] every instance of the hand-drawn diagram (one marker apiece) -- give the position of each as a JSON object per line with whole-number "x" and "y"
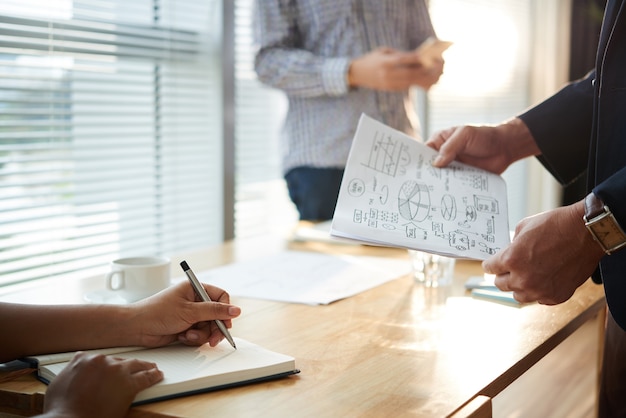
{"x": 387, "y": 155}
{"x": 486, "y": 204}
{"x": 448, "y": 207}
{"x": 393, "y": 195}
{"x": 414, "y": 201}
{"x": 356, "y": 187}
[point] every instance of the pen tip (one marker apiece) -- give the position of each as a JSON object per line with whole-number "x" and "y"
{"x": 184, "y": 265}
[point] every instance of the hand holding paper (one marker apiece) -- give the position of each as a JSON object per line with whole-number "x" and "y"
{"x": 392, "y": 195}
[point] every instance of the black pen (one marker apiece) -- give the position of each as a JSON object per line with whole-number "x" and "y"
{"x": 202, "y": 294}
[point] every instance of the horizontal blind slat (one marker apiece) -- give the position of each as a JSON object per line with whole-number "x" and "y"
{"x": 110, "y": 117}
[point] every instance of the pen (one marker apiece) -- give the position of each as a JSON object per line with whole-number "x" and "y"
{"x": 202, "y": 294}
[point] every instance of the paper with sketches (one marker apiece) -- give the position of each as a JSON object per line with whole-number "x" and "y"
{"x": 305, "y": 277}
{"x": 392, "y": 195}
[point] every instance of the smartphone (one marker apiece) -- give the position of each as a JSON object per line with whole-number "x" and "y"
{"x": 431, "y": 50}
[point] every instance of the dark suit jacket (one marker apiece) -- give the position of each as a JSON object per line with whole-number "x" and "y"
{"x": 583, "y": 127}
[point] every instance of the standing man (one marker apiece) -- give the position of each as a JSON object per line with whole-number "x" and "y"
{"x": 582, "y": 127}
{"x": 336, "y": 59}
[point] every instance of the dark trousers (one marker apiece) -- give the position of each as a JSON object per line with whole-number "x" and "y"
{"x": 612, "y": 399}
{"x": 314, "y": 191}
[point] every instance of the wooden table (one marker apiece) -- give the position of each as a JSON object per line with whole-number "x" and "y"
{"x": 397, "y": 350}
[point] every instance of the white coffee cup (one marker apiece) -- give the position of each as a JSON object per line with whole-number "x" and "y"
{"x": 138, "y": 277}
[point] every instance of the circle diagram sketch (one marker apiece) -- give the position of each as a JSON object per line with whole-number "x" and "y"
{"x": 356, "y": 187}
{"x": 414, "y": 201}
{"x": 448, "y": 207}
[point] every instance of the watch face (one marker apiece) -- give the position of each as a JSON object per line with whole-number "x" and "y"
{"x": 608, "y": 232}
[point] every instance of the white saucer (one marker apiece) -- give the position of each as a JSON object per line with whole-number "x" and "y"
{"x": 105, "y": 296}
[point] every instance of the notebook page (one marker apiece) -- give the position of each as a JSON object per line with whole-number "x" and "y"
{"x": 188, "y": 368}
{"x": 45, "y": 359}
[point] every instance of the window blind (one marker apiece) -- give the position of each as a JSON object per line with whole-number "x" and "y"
{"x": 262, "y": 202}
{"x": 486, "y": 78}
{"x": 110, "y": 132}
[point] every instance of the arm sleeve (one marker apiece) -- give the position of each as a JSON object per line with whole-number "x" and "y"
{"x": 282, "y": 64}
{"x": 612, "y": 192}
{"x": 561, "y": 126}
{"x": 420, "y": 25}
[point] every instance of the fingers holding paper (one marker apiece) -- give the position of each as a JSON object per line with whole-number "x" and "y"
{"x": 474, "y": 145}
{"x": 492, "y": 148}
{"x": 550, "y": 256}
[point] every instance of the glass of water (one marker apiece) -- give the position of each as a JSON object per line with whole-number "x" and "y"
{"x": 432, "y": 270}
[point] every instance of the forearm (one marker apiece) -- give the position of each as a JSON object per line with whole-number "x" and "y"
{"x": 519, "y": 141}
{"x": 301, "y": 74}
{"x": 32, "y": 329}
{"x": 281, "y": 60}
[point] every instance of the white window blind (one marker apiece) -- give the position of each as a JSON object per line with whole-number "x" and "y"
{"x": 110, "y": 132}
{"x": 262, "y": 202}
{"x": 487, "y": 77}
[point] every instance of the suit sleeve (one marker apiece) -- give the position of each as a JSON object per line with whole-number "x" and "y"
{"x": 561, "y": 126}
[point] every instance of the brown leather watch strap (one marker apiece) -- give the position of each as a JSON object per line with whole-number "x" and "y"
{"x": 593, "y": 206}
{"x": 602, "y": 225}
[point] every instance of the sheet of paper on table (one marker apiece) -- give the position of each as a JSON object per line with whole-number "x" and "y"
{"x": 305, "y": 277}
{"x": 392, "y": 195}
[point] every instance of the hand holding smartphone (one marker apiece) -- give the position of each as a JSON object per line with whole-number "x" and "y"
{"x": 432, "y": 50}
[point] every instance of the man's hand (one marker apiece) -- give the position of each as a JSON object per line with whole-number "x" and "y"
{"x": 492, "y": 148}
{"x": 551, "y": 255}
{"x": 387, "y": 69}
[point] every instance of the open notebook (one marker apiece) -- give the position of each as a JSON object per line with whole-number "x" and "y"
{"x": 189, "y": 370}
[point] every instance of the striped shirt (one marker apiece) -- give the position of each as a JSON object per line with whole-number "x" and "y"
{"x": 304, "y": 48}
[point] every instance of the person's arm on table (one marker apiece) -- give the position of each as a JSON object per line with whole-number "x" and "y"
{"x": 168, "y": 316}
{"x": 104, "y": 386}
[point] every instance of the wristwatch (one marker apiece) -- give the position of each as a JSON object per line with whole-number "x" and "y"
{"x": 602, "y": 225}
